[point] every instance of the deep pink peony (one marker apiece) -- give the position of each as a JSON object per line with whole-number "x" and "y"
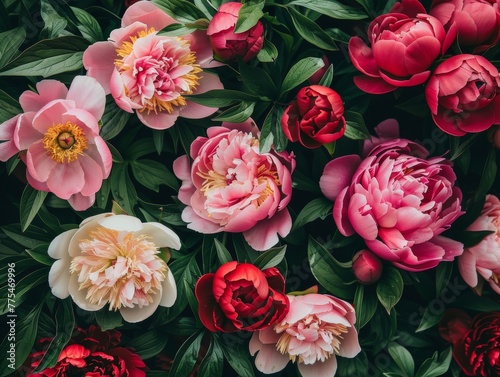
{"x": 367, "y": 267}
{"x": 151, "y": 74}
{"x": 231, "y": 187}
{"x": 463, "y": 95}
{"x": 229, "y": 45}
{"x": 477, "y": 21}
{"x": 93, "y": 353}
{"x": 483, "y": 259}
{"x": 402, "y": 46}
{"x": 398, "y": 201}
{"x": 316, "y": 329}
{"x": 58, "y": 137}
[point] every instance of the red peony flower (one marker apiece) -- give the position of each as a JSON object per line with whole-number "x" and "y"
{"x": 239, "y": 296}
{"x": 476, "y": 342}
{"x": 315, "y": 117}
{"x": 92, "y": 353}
{"x": 229, "y": 45}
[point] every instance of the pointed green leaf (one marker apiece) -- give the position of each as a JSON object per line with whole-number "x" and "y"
{"x": 331, "y": 8}
{"x": 390, "y": 288}
{"x": 270, "y": 258}
{"x": 223, "y": 253}
{"x": 248, "y": 16}
{"x": 31, "y": 201}
{"x": 300, "y": 72}
{"x": 403, "y": 358}
{"x": 11, "y": 41}
{"x": 311, "y": 32}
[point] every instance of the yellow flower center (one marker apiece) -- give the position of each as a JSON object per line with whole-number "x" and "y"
{"x": 65, "y": 142}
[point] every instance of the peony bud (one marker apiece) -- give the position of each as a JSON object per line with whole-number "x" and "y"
{"x": 318, "y": 75}
{"x": 367, "y": 267}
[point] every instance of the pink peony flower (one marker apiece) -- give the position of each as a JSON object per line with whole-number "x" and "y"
{"x": 483, "y": 259}
{"x": 398, "y": 201}
{"x": 114, "y": 259}
{"x": 315, "y": 330}
{"x": 403, "y": 45}
{"x": 477, "y": 21}
{"x": 463, "y": 94}
{"x": 151, "y": 74}
{"x": 367, "y": 267}
{"x": 231, "y": 187}
{"x": 229, "y": 45}
{"x": 58, "y": 137}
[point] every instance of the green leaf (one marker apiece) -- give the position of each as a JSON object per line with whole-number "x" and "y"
{"x": 48, "y": 57}
{"x": 257, "y": 80}
{"x": 193, "y": 303}
{"x": 390, "y": 288}
{"x": 237, "y": 357}
{"x": 237, "y": 114}
{"x": 222, "y": 252}
{"x": 403, "y": 358}
{"x": 430, "y": 318}
{"x": 248, "y": 16}
{"x": 300, "y": 72}
{"x": 355, "y": 126}
{"x": 31, "y": 201}
{"x": 108, "y": 319}
{"x": 30, "y": 238}
{"x": 54, "y": 23}
{"x": 329, "y": 272}
{"x": 27, "y": 283}
{"x": 181, "y": 10}
{"x": 272, "y": 133}
{"x": 11, "y": 41}
{"x": 41, "y": 256}
{"x": 331, "y": 8}
{"x": 270, "y": 258}
{"x": 186, "y": 356}
{"x": 435, "y": 366}
{"x": 113, "y": 120}
{"x": 365, "y": 304}
{"x": 268, "y": 53}
{"x": 159, "y": 140}
{"x": 148, "y": 344}
{"x": 65, "y": 323}
{"x": 206, "y": 7}
{"x": 152, "y": 174}
{"x": 221, "y": 97}
{"x": 311, "y": 32}
{"x": 88, "y": 25}
{"x": 9, "y": 107}
{"x": 367, "y": 4}
{"x": 212, "y": 363}
{"x": 488, "y": 176}
{"x": 327, "y": 78}
{"x": 316, "y": 208}
{"x": 122, "y": 188}
{"x": 471, "y": 238}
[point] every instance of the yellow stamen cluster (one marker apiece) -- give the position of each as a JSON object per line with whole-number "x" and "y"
{"x": 65, "y": 142}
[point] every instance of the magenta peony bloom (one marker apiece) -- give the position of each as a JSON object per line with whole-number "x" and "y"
{"x": 58, "y": 137}
{"x": 403, "y": 45}
{"x": 93, "y": 353}
{"x": 229, "y": 45}
{"x": 483, "y": 259}
{"x": 231, "y": 187}
{"x": 367, "y": 267}
{"x": 463, "y": 95}
{"x": 315, "y": 330}
{"x": 151, "y": 74}
{"x": 114, "y": 259}
{"x": 477, "y": 21}
{"x": 398, "y": 201}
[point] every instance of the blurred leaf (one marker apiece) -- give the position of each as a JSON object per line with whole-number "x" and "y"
{"x": 181, "y": 10}
{"x": 212, "y": 363}
{"x": 327, "y": 78}
{"x": 65, "y": 323}
{"x": 152, "y": 174}
{"x": 222, "y": 252}
{"x": 206, "y": 7}
{"x": 236, "y": 114}
{"x": 30, "y": 238}
{"x": 331, "y": 8}
{"x": 355, "y": 126}
{"x": 403, "y": 358}
{"x": 48, "y": 57}
{"x": 365, "y": 304}
{"x": 122, "y": 188}
{"x": 186, "y": 356}
{"x": 148, "y": 344}
{"x": 221, "y": 97}
{"x": 9, "y": 107}
{"x": 31, "y": 201}
{"x": 435, "y": 366}
{"x": 158, "y": 140}
{"x": 300, "y": 72}
{"x": 338, "y": 35}
{"x": 488, "y": 176}
{"x": 472, "y": 238}
{"x": 367, "y": 4}
{"x": 390, "y": 288}
{"x": 416, "y": 106}
{"x": 431, "y": 316}
{"x": 249, "y": 14}
{"x": 329, "y": 272}
{"x": 54, "y": 23}
{"x": 318, "y": 208}
{"x": 270, "y": 258}
{"x": 108, "y": 319}
{"x": 311, "y": 32}
{"x": 237, "y": 357}
{"x": 11, "y": 42}
{"x": 257, "y": 80}
{"x": 88, "y": 25}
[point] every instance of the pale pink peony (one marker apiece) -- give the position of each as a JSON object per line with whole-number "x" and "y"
{"x": 151, "y": 74}
{"x": 483, "y": 259}
{"x": 231, "y": 187}
{"x": 58, "y": 137}
{"x": 116, "y": 260}
{"x": 398, "y": 201}
{"x": 316, "y": 329}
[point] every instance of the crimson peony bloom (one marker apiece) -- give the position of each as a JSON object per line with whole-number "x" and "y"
{"x": 58, "y": 137}
{"x": 149, "y": 73}
{"x": 402, "y": 47}
{"x": 367, "y": 267}
{"x": 91, "y": 352}
{"x": 229, "y": 45}
{"x": 477, "y": 21}
{"x": 463, "y": 95}
{"x": 476, "y": 341}
{"x": 398, "y": 201}
{"x": 315, "y": 117}
{"x": 240, "y": 297}
{"x": 315, "y": 330}
{"x": 483, "y": 259}
{"x": 230, "y": 186}
{"x": 114, "y": 259}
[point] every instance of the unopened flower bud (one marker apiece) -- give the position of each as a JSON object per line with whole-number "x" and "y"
{"x": 367, "y": 267}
